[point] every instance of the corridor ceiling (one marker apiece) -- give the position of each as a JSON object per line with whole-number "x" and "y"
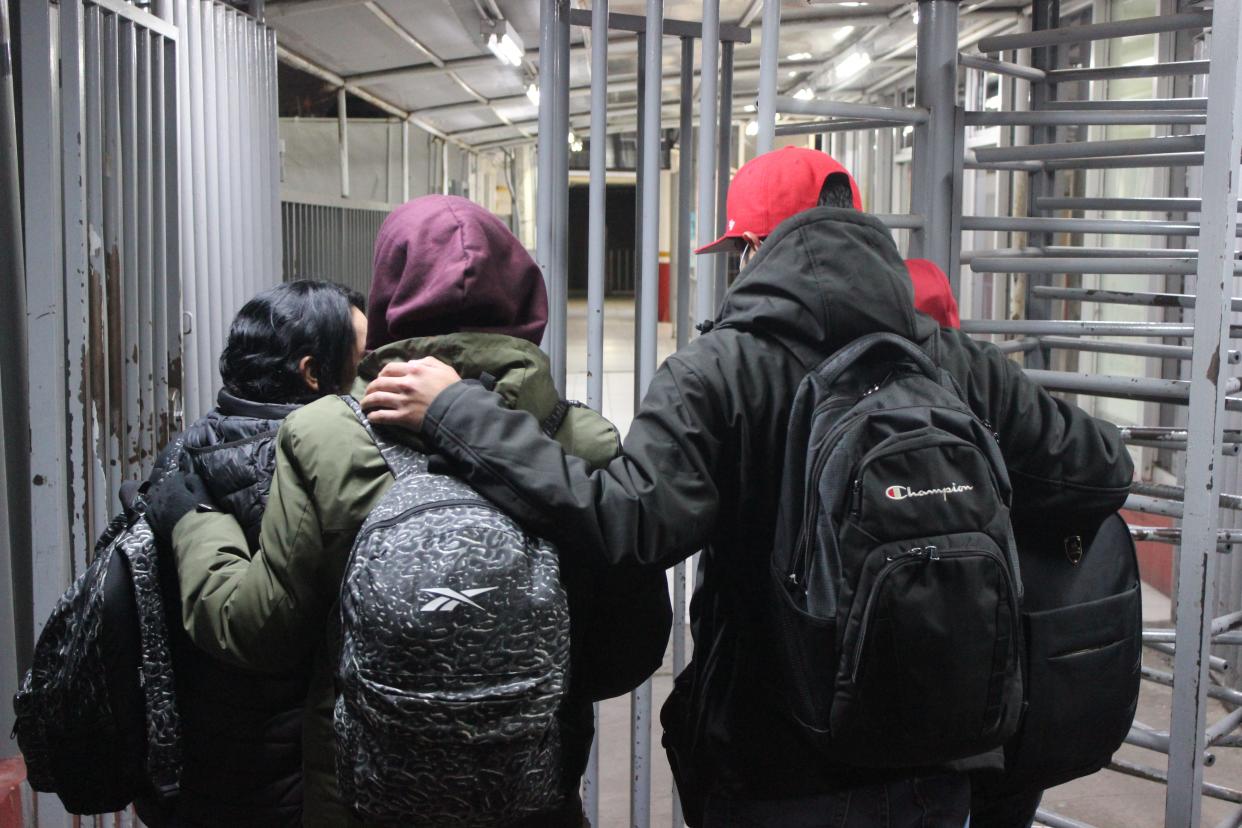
{"x": 430, "y": 57}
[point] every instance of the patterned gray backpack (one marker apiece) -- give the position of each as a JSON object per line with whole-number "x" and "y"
{"x": 454, "y": 658}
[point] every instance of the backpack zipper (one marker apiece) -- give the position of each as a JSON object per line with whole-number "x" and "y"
{"x": 423, "y": 507}
{"x": 919, "y": 553}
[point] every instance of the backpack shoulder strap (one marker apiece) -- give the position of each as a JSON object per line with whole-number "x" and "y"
{"x": 402, "y": 460}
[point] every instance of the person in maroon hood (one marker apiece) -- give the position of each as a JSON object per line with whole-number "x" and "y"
{"x": 450, "y": 282}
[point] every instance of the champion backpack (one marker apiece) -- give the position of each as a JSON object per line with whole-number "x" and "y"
{"x": 454, "y": 658}
{"x": 96, "y": 714}
{"x": 1083, "y": 622}
{"x": 895, "y": 579}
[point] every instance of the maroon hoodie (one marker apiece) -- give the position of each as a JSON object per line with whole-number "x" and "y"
{"x": 442, "y": 265}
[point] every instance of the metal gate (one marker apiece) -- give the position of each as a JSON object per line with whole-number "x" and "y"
{"x": 148, "y": 214}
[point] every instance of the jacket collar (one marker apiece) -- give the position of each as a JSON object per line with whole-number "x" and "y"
{"x": 234, "y": 406}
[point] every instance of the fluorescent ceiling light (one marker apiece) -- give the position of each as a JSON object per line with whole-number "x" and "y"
{"x": 572, "y": 138}
{"x": 805, "y": 94}
{"x": 914, "y": 15}
{"x": 532, "y": 92}
{"x": 793, "y": 73}
{"x": 505, "y": 43}
{"x": 749, "y": 107}
{"x": 842, "y": 33}
{"x": 851, "y": 65}
{"x": 801, "y": 56}
{"x": 576, "y": 146}
{"x": 752, "y": 129}
{"x": 907, "y": 130}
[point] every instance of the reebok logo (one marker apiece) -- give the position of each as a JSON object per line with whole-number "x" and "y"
{"x": 447, "y": 600}
{"x": 903, "y": 492}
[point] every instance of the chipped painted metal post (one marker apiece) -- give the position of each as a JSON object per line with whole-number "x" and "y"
{"x": 769, "y": 62}
{"x": 648, "y": 326}
{"x": 1214, "y": 283}
{"x": 547, "y": 100}
{"x": 15, "y": 618}
{"x": 705, "y": 218}
{"x": 342, "y": 138}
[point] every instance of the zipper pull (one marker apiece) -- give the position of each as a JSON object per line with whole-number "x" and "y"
{"x": 856, "y": 497}
{"x": 933, "y": 554}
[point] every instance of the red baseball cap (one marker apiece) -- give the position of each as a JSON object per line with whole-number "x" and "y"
{"x": 771, "y": 188}
{"x": 932, "y": 293}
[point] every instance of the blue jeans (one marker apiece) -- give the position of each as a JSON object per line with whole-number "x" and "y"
{"x": 920, "y": 802}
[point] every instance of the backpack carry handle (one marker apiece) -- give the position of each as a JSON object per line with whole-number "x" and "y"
{"x": 843, "y": 359}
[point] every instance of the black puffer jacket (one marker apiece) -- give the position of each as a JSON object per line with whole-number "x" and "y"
{"x": 241, "y": 732}
{"x": 701, "y": 468}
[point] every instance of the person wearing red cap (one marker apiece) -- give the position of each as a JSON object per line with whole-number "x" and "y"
{"x": 789, "y": 181}
{"x": 702, "y": 470}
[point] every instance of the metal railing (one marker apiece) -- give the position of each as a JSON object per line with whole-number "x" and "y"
{"x": 330, "y": 240}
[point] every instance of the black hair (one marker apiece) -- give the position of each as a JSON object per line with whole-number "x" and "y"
{"x": 277, "y": 328}
{"x": 837, "y": 192}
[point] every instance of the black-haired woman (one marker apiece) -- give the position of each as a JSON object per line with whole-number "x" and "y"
{"x": 241, "y": 734}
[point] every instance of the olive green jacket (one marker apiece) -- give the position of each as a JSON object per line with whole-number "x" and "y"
{"x": 275, "y": 612}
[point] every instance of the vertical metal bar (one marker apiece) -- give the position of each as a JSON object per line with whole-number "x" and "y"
{"x": 649, "y": 173}
{"x": 1045, "y": 14}
{"x": 558, "y": 315}
{"x": 15, "y": 582}
{"x": 1198, "y": 559}
{"x": 131, "y": 254}
{"x": 704, "y": 285}
{"x": 240, "y": 277}
{"x": 171, "y": 229}
{"x": 144, "y": 392}
{"x": 73, "y": 196}
{"x": 113, "y": 247}
{"x": 342, "y": 139}
{"x": 598, "y": 203}
{"x": 405, "y": 161}
{"x": 685, "y": 185}
{"x": 444, "y": 168}
{"x": 769, "y": 62}
{"x": 724, "y": 160}
{"x": 273, "y": 114}
{"x": 200, "y": 184}
{"x": 49, "y": 479}
{"x": 103, "y": 471}
{"x": 213, "y": 15}
{"x": 166, "y": 300}
{"x": 685, "y": 191}
{"x": 936, "y": 89}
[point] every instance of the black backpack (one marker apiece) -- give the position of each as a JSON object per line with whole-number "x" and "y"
{"x": 96, "y": 714}
{"x": 454, "y": 661}
{"x": 1083, "y": 620}
{"x": 895, "y": 579}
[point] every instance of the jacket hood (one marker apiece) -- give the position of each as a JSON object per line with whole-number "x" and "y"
{"x": 515, "y": 368}
{"x": 444, "y": 264}
{"x": 822, "y": 279}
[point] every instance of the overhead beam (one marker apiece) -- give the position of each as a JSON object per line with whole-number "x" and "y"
{"x": 326, "y": 75}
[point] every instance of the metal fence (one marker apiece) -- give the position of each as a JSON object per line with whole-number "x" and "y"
{"x": 147, "y": 215}
{"x": 229, "y": 177}
{"x": 329, "y": 241}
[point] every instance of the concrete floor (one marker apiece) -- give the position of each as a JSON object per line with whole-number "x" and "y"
{"x": 1105, "y": 800}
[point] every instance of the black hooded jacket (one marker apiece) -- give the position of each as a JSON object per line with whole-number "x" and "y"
{"x": 701, "y": 469}
{"x": 241, "y": 739}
